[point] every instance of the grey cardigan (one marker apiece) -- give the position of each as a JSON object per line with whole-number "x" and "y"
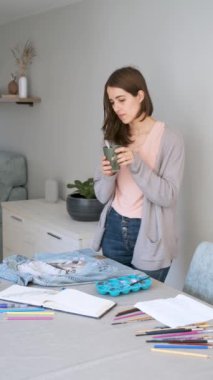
{"x": 156, "y": 244}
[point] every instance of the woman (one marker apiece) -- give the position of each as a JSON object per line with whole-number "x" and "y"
{"x": 137, "y": 225}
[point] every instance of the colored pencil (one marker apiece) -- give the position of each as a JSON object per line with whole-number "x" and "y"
{"x": 19, "y": 309}
{"x": 178, "y": 341}
{"x": 129, "y": 315}
{"x": 135, "y": 319}
{"x": 128, "y": 311}
{"x": 162, "y": 331}
{"x": 196, "y": 355}
{"x": 186, "y": 346}
{"x": 181, "y": 334}
{"x": 29, "y": 318}
{"x": 11, "y": 313}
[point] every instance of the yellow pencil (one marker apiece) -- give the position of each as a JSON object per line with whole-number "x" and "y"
{"x": 180, "y": 353}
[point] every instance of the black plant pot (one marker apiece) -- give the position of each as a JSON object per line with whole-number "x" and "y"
{"x": 82, "y": 209}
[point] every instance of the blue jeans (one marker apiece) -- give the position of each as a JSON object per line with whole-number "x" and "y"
{"x": 159, "y": 274}
{"x": 119, "y": 240}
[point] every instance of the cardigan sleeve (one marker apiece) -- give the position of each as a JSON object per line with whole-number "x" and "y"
{"x": 104, "y": 186}
{"x": 162, "y": 186}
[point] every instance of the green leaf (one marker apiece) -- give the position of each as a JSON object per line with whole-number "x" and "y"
{"x": 85, "y": 189}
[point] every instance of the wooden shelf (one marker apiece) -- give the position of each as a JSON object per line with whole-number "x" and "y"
{"x": 30, "y": 101}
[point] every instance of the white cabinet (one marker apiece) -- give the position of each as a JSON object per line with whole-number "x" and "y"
{"x": 32, "y": 226}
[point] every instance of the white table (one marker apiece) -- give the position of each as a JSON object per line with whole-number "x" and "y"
{"x": 79, "y": 348}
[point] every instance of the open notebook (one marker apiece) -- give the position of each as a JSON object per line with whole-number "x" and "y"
{"x": 67, "y": 300}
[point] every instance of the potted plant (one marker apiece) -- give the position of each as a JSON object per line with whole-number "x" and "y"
{"x": 83, "y": 205}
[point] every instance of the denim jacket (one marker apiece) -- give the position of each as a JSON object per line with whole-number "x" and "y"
{"x": 58, "y": 269}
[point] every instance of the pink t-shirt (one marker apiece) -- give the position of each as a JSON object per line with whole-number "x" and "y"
{"x": 128, "y": 199}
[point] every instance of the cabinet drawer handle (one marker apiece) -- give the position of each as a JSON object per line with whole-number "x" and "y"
{"x": 55, "y": 236}
{"x": 16, "y": 218}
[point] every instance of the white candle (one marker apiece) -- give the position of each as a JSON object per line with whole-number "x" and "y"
{"x": 51, "y": 190}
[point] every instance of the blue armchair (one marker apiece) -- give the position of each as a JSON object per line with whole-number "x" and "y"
{"x": 13, "y": 179}
{"x": 199, "y": 278}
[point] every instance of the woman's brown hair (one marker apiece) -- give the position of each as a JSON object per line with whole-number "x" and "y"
{"x": 132, "y": 81}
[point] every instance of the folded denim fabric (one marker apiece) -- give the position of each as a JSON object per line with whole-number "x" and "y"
{"x": 59, "y": 269}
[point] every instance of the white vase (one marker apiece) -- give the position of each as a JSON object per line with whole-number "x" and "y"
{"x": 22, "y": 87}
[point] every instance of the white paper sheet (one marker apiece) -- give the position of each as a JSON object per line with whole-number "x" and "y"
{"x": 178, "y": 311}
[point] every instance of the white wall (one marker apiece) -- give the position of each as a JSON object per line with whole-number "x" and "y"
{"x": 78, "y": 47}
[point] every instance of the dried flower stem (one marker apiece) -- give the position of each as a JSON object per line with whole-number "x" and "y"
{"x": 24, "y": 59}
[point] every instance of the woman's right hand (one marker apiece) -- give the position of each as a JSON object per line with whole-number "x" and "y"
{"x": 106, "y": 167}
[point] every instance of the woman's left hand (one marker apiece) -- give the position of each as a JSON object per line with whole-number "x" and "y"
{"x": 124, "y": 156}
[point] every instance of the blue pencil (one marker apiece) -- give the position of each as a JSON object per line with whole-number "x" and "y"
{"x": 10, "y": 305}
{"x": 19, "y": 309}
{"x": 190, "y": 346}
